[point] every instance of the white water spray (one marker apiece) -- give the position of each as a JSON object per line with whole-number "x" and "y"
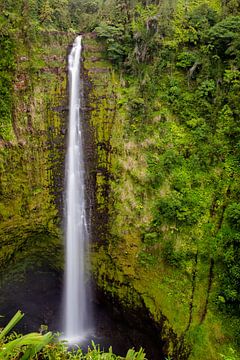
{"x": 76, "y": 311}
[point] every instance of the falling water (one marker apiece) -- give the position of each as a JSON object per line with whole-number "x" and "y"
{"x": 76, "y": 233}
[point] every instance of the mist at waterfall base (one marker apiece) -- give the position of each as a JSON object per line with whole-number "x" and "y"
{"x": 39, "y": 297}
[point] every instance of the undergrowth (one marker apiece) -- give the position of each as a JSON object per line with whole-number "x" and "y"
{"x": 47, "y": 346}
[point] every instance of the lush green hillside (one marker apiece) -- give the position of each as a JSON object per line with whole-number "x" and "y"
{"x": 174, "y": 211}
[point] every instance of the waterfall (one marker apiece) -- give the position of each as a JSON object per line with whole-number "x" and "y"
{"x": 76, "y": 311}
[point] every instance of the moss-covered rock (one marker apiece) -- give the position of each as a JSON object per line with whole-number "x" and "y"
{"x": 140, "y": 258}
{"x": 32, "y": 161}
{"x": 116, "y": 244}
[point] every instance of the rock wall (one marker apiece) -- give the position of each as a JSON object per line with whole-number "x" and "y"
{"x": 135, "y": 266}
{"x": 100, "y": 83}
{"x": 32, "y": 167}
{"x": 114, "y": 252}
{"x": 150, "y": 294}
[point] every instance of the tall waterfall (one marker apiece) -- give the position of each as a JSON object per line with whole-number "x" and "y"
{"x": 76, "y": 230}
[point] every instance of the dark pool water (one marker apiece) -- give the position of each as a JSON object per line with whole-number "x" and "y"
{"x": 38, "y": 295}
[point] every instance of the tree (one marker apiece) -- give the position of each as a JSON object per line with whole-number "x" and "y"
{"x": 46, "y": 13}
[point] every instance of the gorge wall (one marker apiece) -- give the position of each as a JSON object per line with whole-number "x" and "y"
{"x": 159, "y": 273}
{"x": 155, "y": 216}
{"x": 32, "y": 152}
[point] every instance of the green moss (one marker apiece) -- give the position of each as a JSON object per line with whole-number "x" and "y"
{"x": 30, "y": 166}
{"x": 160, "y": 201}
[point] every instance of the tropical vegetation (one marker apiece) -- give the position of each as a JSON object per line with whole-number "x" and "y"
{"x": 173, "y": 184}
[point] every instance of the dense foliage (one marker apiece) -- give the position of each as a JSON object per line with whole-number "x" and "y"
{"x": 179, "y": 63}
{"x": 189, "y": 64}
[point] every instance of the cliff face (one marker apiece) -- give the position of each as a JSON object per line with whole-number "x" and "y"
{"x": 116, "y": 242}
{"x": 32, "y": 162}
{"x": 162, "y": 272}
{"x": 158, "y": 272}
